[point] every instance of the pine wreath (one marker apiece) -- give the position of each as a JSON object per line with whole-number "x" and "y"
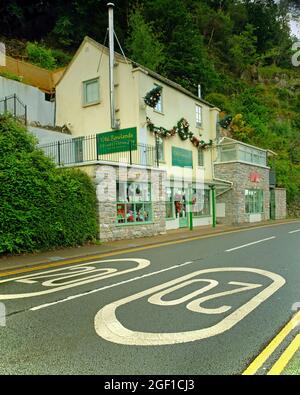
{"x": 183, "y": 129}
{"x": 153, "y": 97}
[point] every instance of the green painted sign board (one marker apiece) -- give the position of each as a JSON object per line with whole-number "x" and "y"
{"x": 182, "y": 157}
{"x": 116, "y": 141}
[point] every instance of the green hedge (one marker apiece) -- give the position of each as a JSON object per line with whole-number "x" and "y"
{"x": 41, "y": 207}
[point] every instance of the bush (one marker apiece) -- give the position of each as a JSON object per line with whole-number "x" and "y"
{"x": 41, "y": 207}
{"x": 40, "y": 56}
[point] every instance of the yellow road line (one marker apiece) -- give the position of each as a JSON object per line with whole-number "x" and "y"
{"x": 268, "y": 351}
{"x": 128, "y": 250}
{"x": 285, "y": 357}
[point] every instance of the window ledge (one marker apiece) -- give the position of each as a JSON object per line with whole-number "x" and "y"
{"x": 158, "y": 112}
{"x": 91, "y": 104}
{"x": 136, "y": 223}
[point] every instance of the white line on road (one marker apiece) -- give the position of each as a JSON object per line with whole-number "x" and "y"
{"x": 250, "y": 244}
{"x": 42, "y": 306}
{"x": 294, "y": 231}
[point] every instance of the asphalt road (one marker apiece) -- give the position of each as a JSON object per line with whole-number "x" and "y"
{"x": 207, "y": 306}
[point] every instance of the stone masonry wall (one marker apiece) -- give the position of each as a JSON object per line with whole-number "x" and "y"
{"x": 239, "y": 174}
{"x": 105, "y": 178}
{"x": 280, "y": 203}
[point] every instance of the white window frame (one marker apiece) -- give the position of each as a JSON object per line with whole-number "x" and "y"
{"x": 84, "y": 88}
{"x": 198, "y": 111}
{"x": 159, "y": 105}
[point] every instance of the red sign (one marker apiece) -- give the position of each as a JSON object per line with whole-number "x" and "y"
{"x": 254, "y": 176}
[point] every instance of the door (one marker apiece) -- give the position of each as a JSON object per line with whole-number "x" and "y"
{"x": 272, "y": 204}
{"x": 180, "y": 202}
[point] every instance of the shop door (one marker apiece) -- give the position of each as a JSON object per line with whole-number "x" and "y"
{"x": 180, "y": 207}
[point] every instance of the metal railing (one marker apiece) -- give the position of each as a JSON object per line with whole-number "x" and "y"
{"x": 90, "y": 149}
{"x": 13, "y": 105}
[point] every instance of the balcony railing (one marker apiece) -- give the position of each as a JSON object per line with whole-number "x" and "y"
{"x": 13, "y": 105}
{"x": 90, "y": 149}
{"x": 241, "y": 152}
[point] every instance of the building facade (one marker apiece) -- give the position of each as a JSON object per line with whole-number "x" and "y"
{"x": 177, "y": 141}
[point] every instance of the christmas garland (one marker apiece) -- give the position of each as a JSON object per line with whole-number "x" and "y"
{"x": 152, "y": 97}
{"x": 183, "y": 131}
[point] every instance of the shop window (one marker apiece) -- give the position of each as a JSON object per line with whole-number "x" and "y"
{"x": 254, "y": 201}
{"x": 169, "y": 203}
{"x": 201, "y": 202}
{"x": 133, "y": 202}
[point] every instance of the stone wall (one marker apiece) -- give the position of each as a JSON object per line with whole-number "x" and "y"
{"x": 240, "y": 174}
{"x": 105, "y": 178}
{"x": 280, "y": 203}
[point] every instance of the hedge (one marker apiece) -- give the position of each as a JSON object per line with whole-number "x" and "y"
{"x": 41, "y": 207}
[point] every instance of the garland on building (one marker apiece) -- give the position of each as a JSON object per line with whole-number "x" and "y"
{"x": 183, "y": 131}
{"x": 152, "y": 97}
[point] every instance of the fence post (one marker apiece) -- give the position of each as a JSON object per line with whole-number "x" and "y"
{"x": 15, "y": 106}
{"x": 58, "y": 146}
{"x": 5, "y": 104}
{"x": 25, "y": 115}
{"x": 130, "y": 153}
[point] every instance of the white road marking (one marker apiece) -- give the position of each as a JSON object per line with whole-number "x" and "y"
{"x": 111, "y": 329}
{"x": 250, "y": 244}
{"x": 107, "y": 287}
{"x": 54, "y": 277}
{"x": 294, "y": 231}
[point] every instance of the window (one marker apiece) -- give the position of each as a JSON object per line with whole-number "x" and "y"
{"x": 200, "y": 157}
{"x": 160, "y": 149}
{"x": 158, "y": 106}
{"x": 91, "y": 92}
{"x": 169, "y": 203}
{"x": 201, "y": 202}
{"x": 254, "y": 201}
{"x": 198, "y": 116}
{"x": 242, "y": 152}
{"x": 133, "y": 202}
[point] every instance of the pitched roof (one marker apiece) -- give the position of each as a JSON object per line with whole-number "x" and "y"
{"x": 136, "y": 66}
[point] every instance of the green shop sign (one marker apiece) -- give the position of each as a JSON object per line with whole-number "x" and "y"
{"x": 117, "y": 141}
{"x": 182, "y": 157}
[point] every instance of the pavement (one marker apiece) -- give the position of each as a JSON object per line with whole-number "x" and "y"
{"x": 10, "y": 262}
{"x": 214, "y": 303}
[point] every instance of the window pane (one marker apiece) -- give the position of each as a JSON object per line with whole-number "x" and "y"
{"x": 160, "y": 149}
{"x": 198, "y": 115}
{"x": 121, "y": 213}
{"x": 158, "y": 106}
{"x": 200, "y": 157}
{"x": 130, "y": 213}
{"x": 91, "y": 91}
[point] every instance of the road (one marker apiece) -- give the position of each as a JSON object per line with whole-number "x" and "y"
{"x": 205, "y": 306}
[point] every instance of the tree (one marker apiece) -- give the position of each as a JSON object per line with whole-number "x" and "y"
{"x": 143, "y": 44}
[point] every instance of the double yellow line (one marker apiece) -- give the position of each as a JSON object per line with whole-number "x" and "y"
{"x": 285, "y": 357}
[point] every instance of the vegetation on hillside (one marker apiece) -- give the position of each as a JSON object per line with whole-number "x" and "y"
{"x": 239, "y": 50}
{"x": 41, "y": 207}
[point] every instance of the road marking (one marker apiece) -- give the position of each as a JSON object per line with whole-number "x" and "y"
{"x": 294, "y": 231}
{"x": 272, "y": 346}
{"x": 250, "y": 244}
{"x": 89, "y": 270}
{"x": 107, "y": 287}
{"x": 46, "y": 265}
{"x": 108, "y": 326}
{"x": 286, "y": 356}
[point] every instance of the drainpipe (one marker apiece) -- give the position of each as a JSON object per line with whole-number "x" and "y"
{"x": 111, "y": 62}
